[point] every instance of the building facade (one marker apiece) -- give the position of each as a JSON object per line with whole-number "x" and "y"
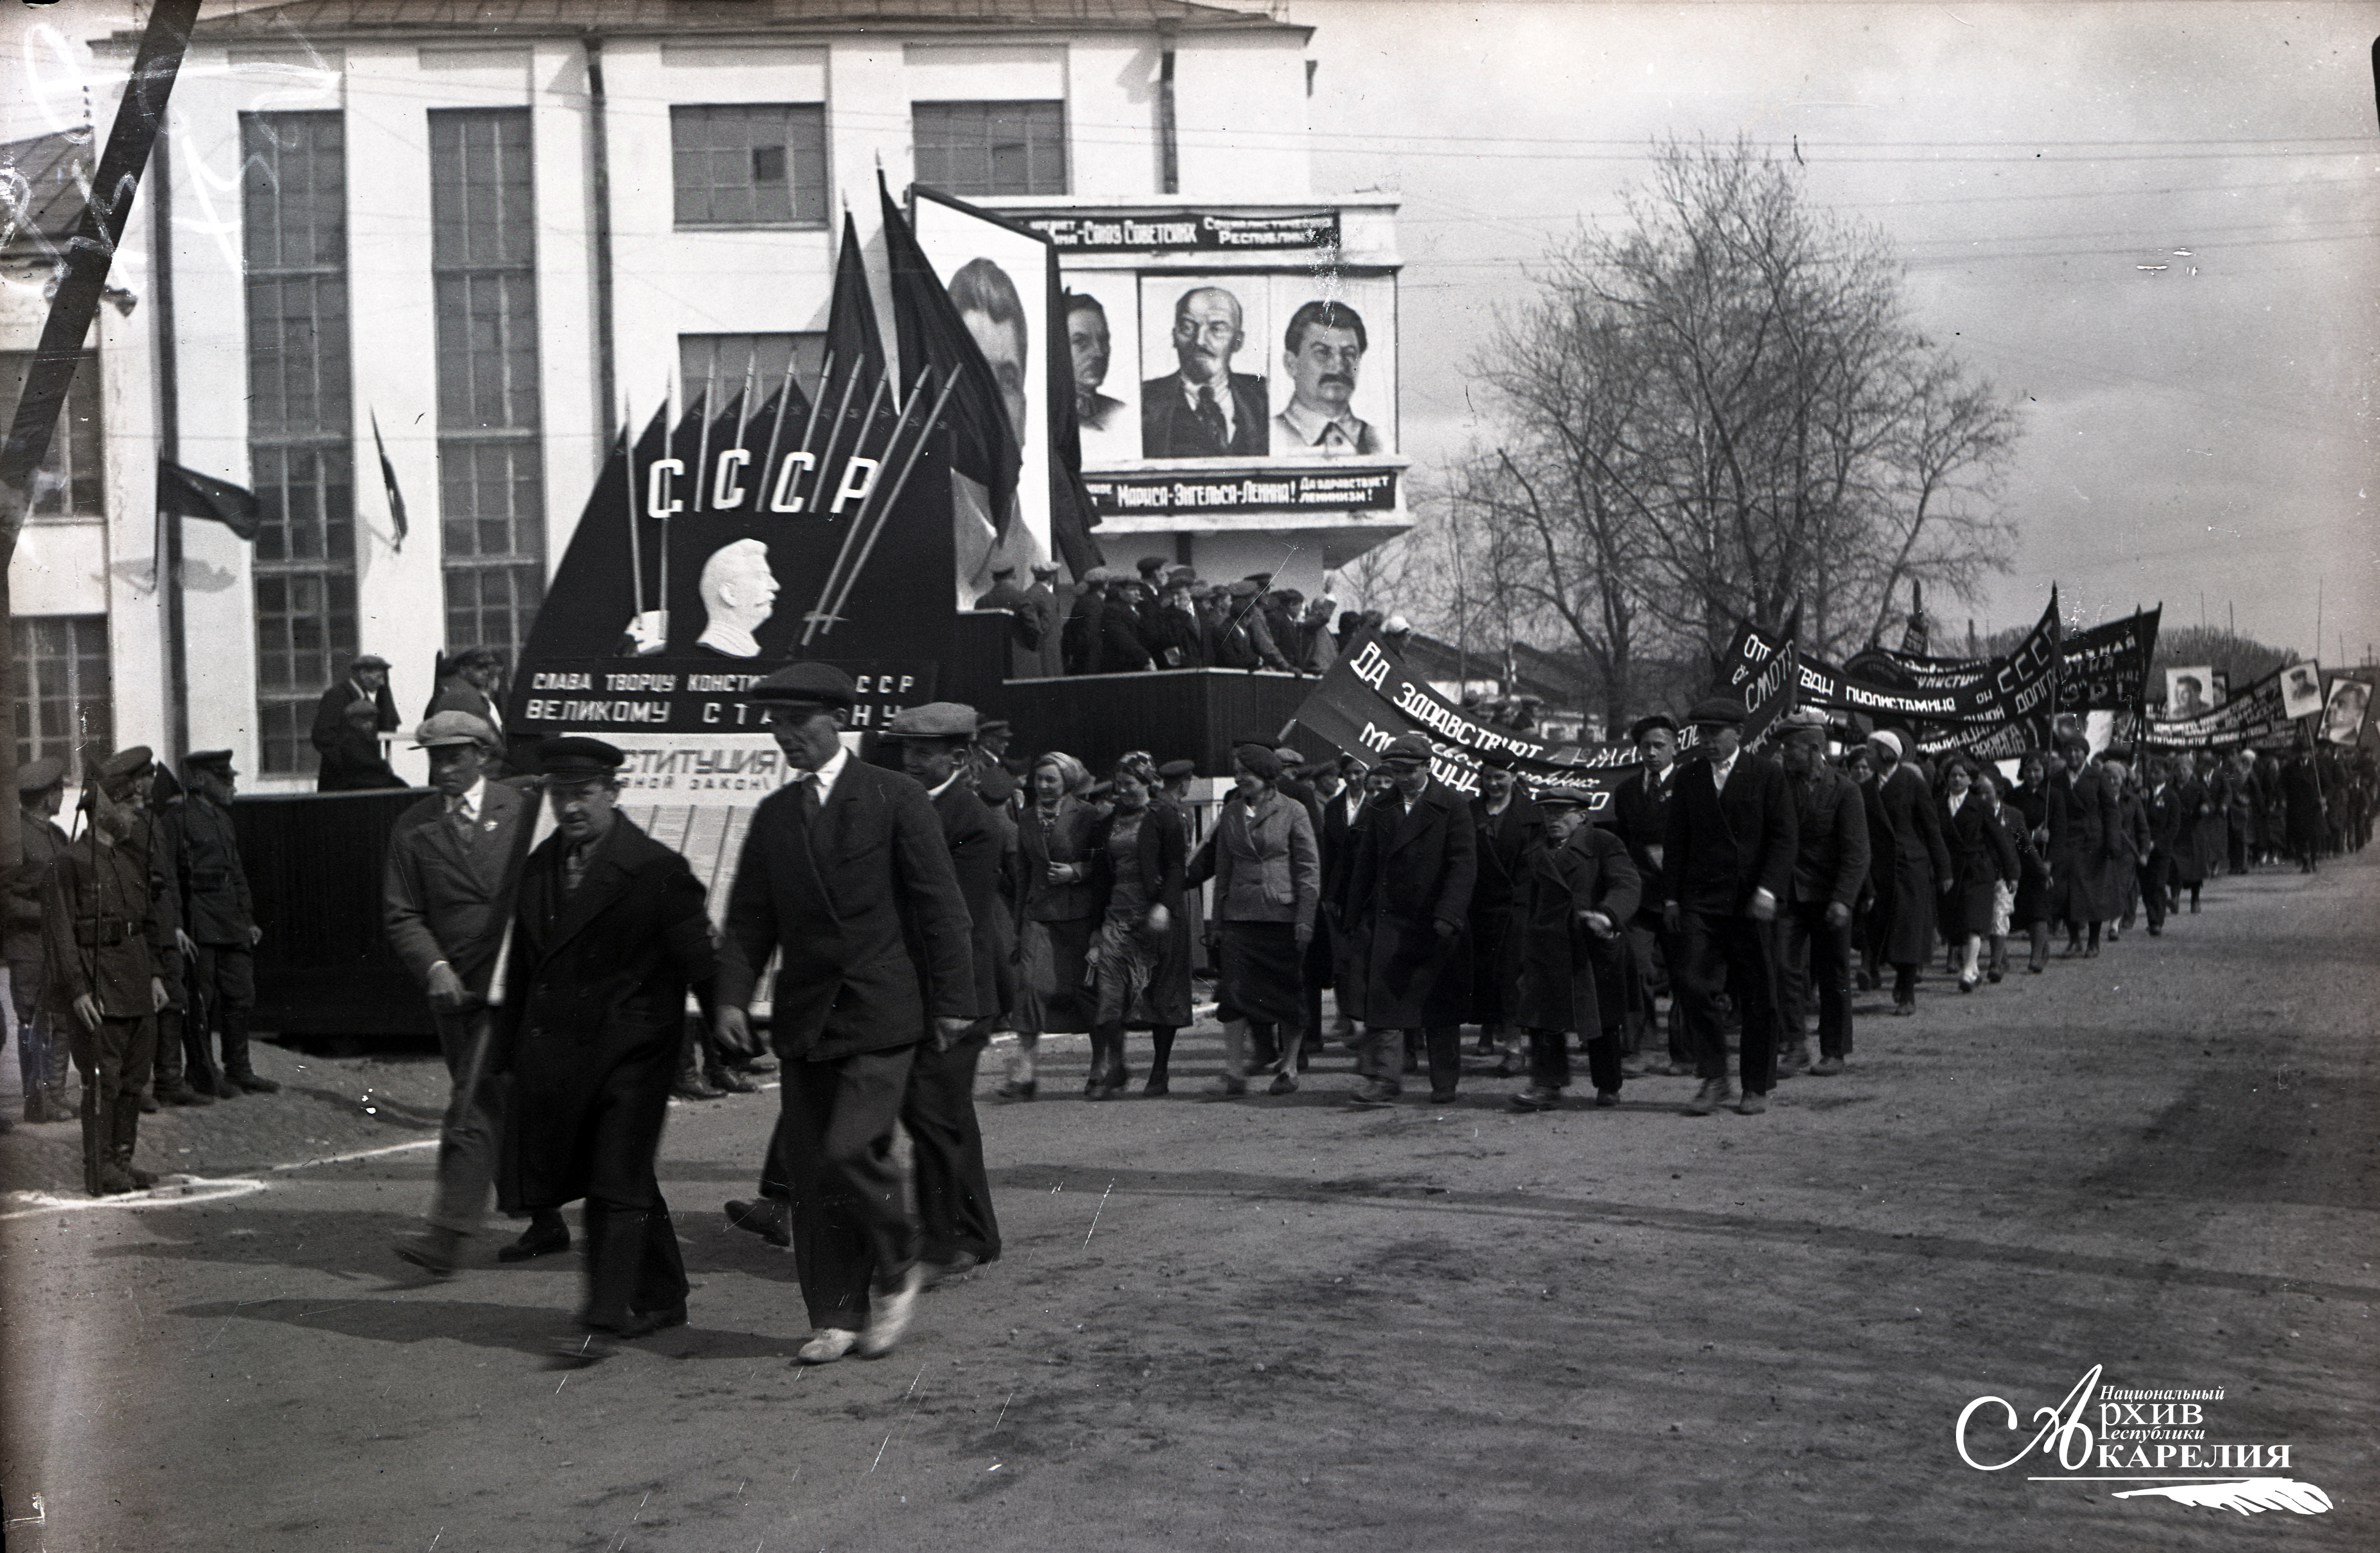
{"x": 420, "y": 260}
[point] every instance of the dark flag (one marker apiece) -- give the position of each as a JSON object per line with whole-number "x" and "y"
{"x": 852, "y": 337}
{"x": 187, "y": 493}
{"x": 927, "y": 323}
{"x": 388, "y": 483}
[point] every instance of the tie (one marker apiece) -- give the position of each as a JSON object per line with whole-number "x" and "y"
{"x": 807, "y": 805}
{"x": 457, "y": 812}
{"x": 1210, "y": 421}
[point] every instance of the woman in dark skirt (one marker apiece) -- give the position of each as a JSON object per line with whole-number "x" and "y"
{"x": 1268, "y": 877}
{"x": 1981, "y": 857}
{"x": 2029, "y": 809}
{"x": 1138, "y": 855}
{"x": 1055, "y": 917}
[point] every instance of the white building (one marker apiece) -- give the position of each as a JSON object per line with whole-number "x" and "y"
{"x": 482, "y": 228}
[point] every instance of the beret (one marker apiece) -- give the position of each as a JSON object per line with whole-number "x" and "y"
{"x": 1174, "y": 769}
{"x": 454, "y": 727}
{"x": 1501, "y": 759}
{"x": 576, "y": 757}
{"x": 934, "y": 720}
{"x": 817, "y": 685}
{"x": 995, "y": 786}
{"x": 40, "y": 776}
{"x": 1407, "y": 750}
{"x": 1717, "y": 711}
{"x": 1263, "y": 762}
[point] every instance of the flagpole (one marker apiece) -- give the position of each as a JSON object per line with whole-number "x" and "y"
{"x": 885, "y": 509}
{"x": 826, "y": 604}
{"x": 169, "y": 440}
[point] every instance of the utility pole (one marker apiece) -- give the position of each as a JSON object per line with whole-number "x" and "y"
{"x": 80, "y": 279}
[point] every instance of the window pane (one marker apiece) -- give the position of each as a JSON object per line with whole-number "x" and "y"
{"x": 972, "y": 149}
{"x": 748, "y": 163}
{"x": 64, "y": 688}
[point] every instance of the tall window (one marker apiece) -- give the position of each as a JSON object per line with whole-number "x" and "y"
{"x": 716, "y": 366}
{"x": 749, "y": 163}
{"x": 300, "y": 420}
{"x": 491, "y": 480}
{"x": 990, "y": 148}
{"x": 62, "y": 678}
{"x": 67, "y": 484}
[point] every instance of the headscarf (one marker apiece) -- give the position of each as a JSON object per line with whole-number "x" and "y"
{"x": 1891, "y": 741}
{"x": 1073, "y": 775}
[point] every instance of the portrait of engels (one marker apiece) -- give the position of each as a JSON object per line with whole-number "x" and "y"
{"x": 1323, "y": 349}
{"x": 988, "y": 305}
{"x": 739, "y": 593}
{"x": 1205, "y": 409}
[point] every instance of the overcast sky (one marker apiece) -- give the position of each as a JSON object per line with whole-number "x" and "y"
{"x": 2205, "y": 426}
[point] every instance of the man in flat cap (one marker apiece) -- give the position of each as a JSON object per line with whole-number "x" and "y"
{"x": 845, "y": 877}
{"x": 348, "y": 724}
{"x": 1080, "y": 637}
{"x": 1640, "y": 817}
{"x": 1408, "y": 903}
{"x": 222, "y": 917}
{"x": 1573, "y": 896}
{"x": 1123, "y": 649}
{"x": 107, "y": 913}
{"x": 40, "y": 1043}
{"x": 446, "y": 901}
{"x": 609, "y": 936}
{"x": 1813, "y": 928}
{"x": 958, "y": 1229}
{"x": 1725, "y": 870}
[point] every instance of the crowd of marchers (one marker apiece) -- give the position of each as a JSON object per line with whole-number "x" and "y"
{"x": 881, "y": 928}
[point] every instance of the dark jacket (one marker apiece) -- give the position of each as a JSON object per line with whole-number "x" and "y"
{"x": 108, "y": 918}
{"x": 2082, "y": 846}
{"x": 1831, "y": 841}
{"x": 1640, "y": 818}
{"x": 1980, "y": 856}
{"x": 43, "y": 842}
{"x": 1121, "y": 649}
{"x": 1909, "y": 862}
{"x": 1413, "y": 872}
{"x": 351, "y": 757}
{"x": 1164, "y": 857}
{"x": 974, "y": 837}
{"x": 594, "y": 1007}
{"x": 2163, "y": 811}
{"x": 443, "y": 897}
{"x": 1170, "y": 428}
{"x": 219, "y": 909}
{"x": 863, "y": 906}
{"x": 1722, "y": 846}
{"x": 1568, "y": 977}
{"x": 1505, "y": 842}
{"x": 1175, "y": 639}
{"x": 1068, "y": 840}
{"x": 1079, "y": 640}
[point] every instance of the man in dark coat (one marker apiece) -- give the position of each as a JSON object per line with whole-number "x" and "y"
{"x": 1023, "y": 624}
{"x": 1726, "y": 866}
{"x": 1640, "y": 818}
{"x": 1122, "y": 649}
{"x": 474, "y": 676}
{"x": 222, "y": 918}
{"x": 1408, "y": 905}
{"x": 2083, "y": 843}
{"x": 1507, "y": 826}
{"x": 609, "y": 936}
{"x": 1043, "y": 596}
{"x": 41, "y": 1044}
{"x": 1830, "y": 867}
{"x": 1908, "y": 862}
{"x": 1175, "y": 636}
{"x": 184, "y": 1074}
{"x": 1576, "y": 891}
{"x": 446, "y": 899}
{"x": 348, "y": 724}
{"x": 846, "y": 877}
{"x": 958, "y": 1229}
{"x": 2162, "y": 810}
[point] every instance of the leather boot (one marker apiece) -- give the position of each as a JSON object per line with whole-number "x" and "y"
{"x": 140, "y": 1180}
{"x": 689, "y": 1085}
{"x": 56, "y": 1060}
{"x": 615, "y": 1248}
{"x": 94, "y": 1145}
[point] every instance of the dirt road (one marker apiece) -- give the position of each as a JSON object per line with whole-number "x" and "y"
{"x": 1286, "y": 1323}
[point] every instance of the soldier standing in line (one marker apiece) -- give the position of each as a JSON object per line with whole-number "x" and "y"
{"x": 182, "y": 1075}
{"x": 107, "y": 913}
{"x": 222, "y": 918}
{"x": 41, "y": 1047}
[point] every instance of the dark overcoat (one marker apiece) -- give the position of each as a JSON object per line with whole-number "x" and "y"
{"x": 1505, "y": 842}
{"x": 975, "y": 843}
{"x": 2083, "y": 848}
{"x": 1413, "y": 871}
{"x": 1569, "y": 978}
{"x": 2029, "y": 808}
{"x": 1909, "y": 862}
{"x": 594, "y": 1009}
{"x": 1980, "y": 856}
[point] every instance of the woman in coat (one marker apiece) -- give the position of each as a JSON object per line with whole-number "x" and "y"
{"x": 2028, "y": 805}
{"x": 2082, "y": 846}
{"x": 1267, "y": 875}
{"x": 609, "y": 934}
{"x": 1137, "y": 855}
{"x": 1577, "y": 892}
{"x": 2197, "y": 812}
{"x": 1981, "y": 857}
{"x": 1908, "y": 862}
{"x": 1055, "y": 917}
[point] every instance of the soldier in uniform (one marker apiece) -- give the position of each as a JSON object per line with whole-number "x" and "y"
{"x": 222, "y": 918}
{"x": 107, "y": 913}
{"x": 41, "y": 1049}
{"x": 183, "y": 1074}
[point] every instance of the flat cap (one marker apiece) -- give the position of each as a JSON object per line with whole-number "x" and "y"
{"x": 576, "y": 757}
{"x": 1563, "y": 795}
{"x": 370, "y": 660}
{"x": 1007, "y": 571}
{"x": 1045, "y": 569}
{"x": 1173, "y": 770}
{"x": 812, "y": 685}
{"x": 124, "y": 773}
{"x": 1262, "y": 579}
{"x": 1889, "y": 740}
{"x": 1806, "y": 723}
{"x": 995, "y": 786}
{"x": 933, "y": 720}
{"x": 1150, "y": 566}
{"x": 993, "y": 725}
{"x": 1241, "y": 589}
{"x": 1407, "y": 750}
{"x": 40, "y": 776}
{"x": 1501, "y": 759}
{"x": 455, "y": 727}
{"x": 215, "y": 760}
{"x": 1395, "y": 625}
{"x": 1717, "y": 712}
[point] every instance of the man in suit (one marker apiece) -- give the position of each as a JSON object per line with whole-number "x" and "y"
{"x": 609, "y": 936}
{"x": 1204, "y": 410}
{"x": 1087, "y": 340}
{"x": 1641, "y": 818}
{"x": 846, "y": 877}
{"x": 1814, "y": 930}
{"x": 348, "y": 724}
{"x": 1043, "y": 596}
{"x": 958, "y": 1229}
{"x": 222, "y": 917}
{"x": 1408, "y": 903}
{"x": 446, "y": 900}
{"x": 1727, "y": 864}
{"x": 1025, "y": 621}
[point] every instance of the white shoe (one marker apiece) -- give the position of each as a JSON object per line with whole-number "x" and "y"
{"x": 889, "y": 1315}
{"x": 828, "y": 1344}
